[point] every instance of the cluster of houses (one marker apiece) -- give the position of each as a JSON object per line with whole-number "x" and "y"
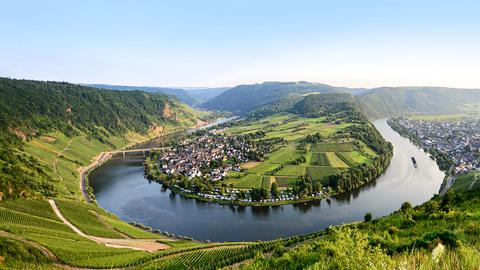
{"x": 207, "y": 156}
{"x": 459, "y": 139}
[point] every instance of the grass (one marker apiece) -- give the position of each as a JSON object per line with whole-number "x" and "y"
{"x": 285, "y": 181}
{"x": 292, "y": 170}
{"x": 284, "y": 155}
{"x": 288, "y": 126}
{"x": 267, "y": 181}
{"x": 334, "y": 147}
{"x": 319, "y": 159}
{"x": 335, "y": 161}
{"x": 263, "y": 168}
{"x": 82, "y": 215}
{"x": 128, "y": 229}
{"x": 249, "y": 181}
{"x": 352, "y": 158}
{"x": 320, "y": 173}
{"x": 38, "y": 208}
{"x": 463, "y": 182}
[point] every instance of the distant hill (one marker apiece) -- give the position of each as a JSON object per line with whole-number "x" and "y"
{"x": 245, "y": 98}
{"x": 190, "y": 96}
{"x": 205, "y": 94}
{"x": 271, "y": 97}
{"x": 182, "y": 94}
{"x": 396, "y": 101}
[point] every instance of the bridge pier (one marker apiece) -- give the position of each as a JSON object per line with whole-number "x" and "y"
{"x": 124, "y": 154}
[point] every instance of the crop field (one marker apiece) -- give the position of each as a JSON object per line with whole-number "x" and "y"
{"x": 318, "y": 173}
{"x": 286, "y": 181}
{"x": 267, "y": 181}
{"x": 284, "y": 155}
{"x": 352, "y": 158}
{"x": 335, "y": 161}
{"x": 289, "y": 127}
{"x": 248, "y": 181}
{"x": 81, "y": 215}
{"x": 334, "y": 147}
{"x": 292, "y": 170}
{"x": 319, "y": 159}
{"x": 264, "y": 167}
{"x": 128, "y": 229}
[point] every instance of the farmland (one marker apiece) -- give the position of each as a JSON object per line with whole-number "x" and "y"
{"x": 295, "y": 158}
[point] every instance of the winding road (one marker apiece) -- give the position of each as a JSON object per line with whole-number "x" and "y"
{"x": 149, "y": 245}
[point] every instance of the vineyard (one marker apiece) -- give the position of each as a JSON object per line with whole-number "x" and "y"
{"x": 35, "y": 221}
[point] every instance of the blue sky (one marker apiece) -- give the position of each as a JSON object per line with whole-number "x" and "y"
{"x": 223, "y": 43}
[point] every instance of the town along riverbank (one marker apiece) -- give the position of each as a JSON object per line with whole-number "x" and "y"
{"x": 121, "y": 188}
{"x": 320, "y": 159}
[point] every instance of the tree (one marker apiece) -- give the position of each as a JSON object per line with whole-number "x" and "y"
{"x": 368, "y": 217}
{"x": 274, "y": 190}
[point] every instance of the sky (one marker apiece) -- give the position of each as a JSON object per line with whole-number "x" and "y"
{"x": 357, "y": 43}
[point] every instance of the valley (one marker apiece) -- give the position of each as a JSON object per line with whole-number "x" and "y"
{"x": 312, "y": 164}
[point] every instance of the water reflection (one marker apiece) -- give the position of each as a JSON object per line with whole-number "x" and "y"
{"x": 120, "y": 187}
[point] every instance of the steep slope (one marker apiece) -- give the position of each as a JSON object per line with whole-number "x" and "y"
{"x": 182, "y": 94}
{"x": 41, "y": 122}
{"x": 440, "y": 234}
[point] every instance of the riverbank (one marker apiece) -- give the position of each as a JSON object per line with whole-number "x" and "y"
{"x": 120, "y": 188}
{"x": 105, "y": 156}
{"x": 446, "y": 167}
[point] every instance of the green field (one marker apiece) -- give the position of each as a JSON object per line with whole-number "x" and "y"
{"x": 249, "y": 181}
{"x": 334, "y": 147}
{"x": 319, "y": 159}
{"x": 264, "y": 167}
{"x": 292, "y": 170}
{"x": 320, "y": 173}
{"x": 335, "y": 161}
{"x": 289, "y": 127}
{"x": 284, "y": 155}
{"x": 464, "y": 182}
{"x": 285, "y": 181}
{"x": 352, "y": 158}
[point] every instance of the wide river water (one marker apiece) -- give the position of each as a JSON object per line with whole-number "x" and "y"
{"x": 121, "y": 188}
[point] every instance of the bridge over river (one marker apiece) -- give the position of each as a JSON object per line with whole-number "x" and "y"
{"x": 121, "y": 188}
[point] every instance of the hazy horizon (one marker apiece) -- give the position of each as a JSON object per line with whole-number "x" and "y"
{"x": 217, "y": 44}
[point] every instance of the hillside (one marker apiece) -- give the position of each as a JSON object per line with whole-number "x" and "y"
{"x": 182, "y": 94}
{"x": 45, "y": 123}
{"x": 440, "y": 234}
{"x": 245, "y": 98}
{"x": 272, "y": 97}
{"x": 388, "y": 102}
{"x": 203, "y": 95}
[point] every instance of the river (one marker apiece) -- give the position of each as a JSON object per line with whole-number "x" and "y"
{"x": 121, "y": 188}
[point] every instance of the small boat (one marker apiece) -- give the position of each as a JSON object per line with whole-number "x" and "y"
{"x": 414, "y": 162}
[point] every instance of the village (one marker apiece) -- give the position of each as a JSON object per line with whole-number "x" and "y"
{"x": 200, "y": 163}
{"x": 210, "y": 156}
{"x": 458, "y": 139}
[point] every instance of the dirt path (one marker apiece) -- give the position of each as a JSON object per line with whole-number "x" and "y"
{"x": 474, "y": 181}
{"x": 149, "y": 245}
{"x": 55, "y": 162}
